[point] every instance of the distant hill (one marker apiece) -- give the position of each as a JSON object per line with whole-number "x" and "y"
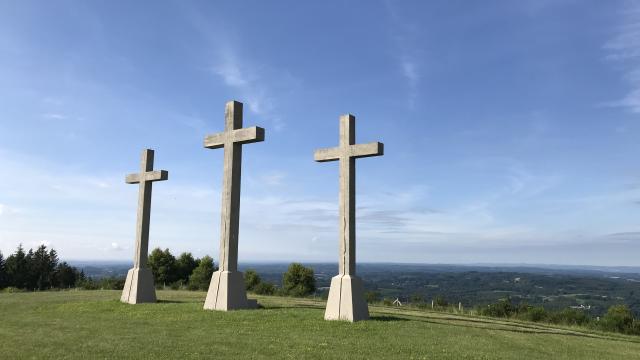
{"x": 552, "y": 286}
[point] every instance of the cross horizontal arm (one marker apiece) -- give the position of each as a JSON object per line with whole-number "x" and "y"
{"x": 248, "y": 135}
{"x": 215, "y": 141}
{"x": 327, "y": 154}
{"x": 242, "y": 136}
{"x": 158, "y": 175}
{"x": 132, "y": 179}
{"x": 366, "y": 150}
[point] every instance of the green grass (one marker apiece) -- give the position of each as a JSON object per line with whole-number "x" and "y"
{"x": 94, "y": 324}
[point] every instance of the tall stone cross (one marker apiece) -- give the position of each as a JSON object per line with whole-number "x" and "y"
{"x": 139, "y": 287}
{"x": 227, "y": 289}
{"x": 346, "y": 296}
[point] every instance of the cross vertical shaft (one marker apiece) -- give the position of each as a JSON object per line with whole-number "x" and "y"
{"x": 347, "y": 258}
{"x": 227, "y": 290}
{"x": 139, "y": 285}
{"x": 230, "y": 213}
{"x": 144, "y": 212}
{"x": 346, "y": 294}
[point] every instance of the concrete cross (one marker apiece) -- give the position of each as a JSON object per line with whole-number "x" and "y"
{"x": 139, "y": 286}
{"x": 227, "y": 290}
{"x": 346, "y": 295}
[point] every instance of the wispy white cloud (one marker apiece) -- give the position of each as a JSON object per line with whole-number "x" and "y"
{"x": 623, "y": 50}
{"x": 407, "y": 49}
{"x": 273, "y": 178}
{"x": 258, "y": 85}
{"x": 251, "y": 84}
{"x": 54, "y": 116}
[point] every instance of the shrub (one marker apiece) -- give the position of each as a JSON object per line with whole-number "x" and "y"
{"x": 201, "y": 276}
{"x": 264, "y": 288}
{"x": 416, "y": 299}
{"x": 569, "y": 317}
{"x": 299, "y": 280}
{"x": 251, "y": 279}
{"x": 372, "y": 296}
{"x": 440, "y": 302}
{"x": 618, "y": 318}
{"x": 537, "y": 314}
{"x": 502, "y": 308}
{"x": 108, "y": 283}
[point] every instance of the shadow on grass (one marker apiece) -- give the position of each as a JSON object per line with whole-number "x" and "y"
{"x": 162, "y": 301}
{"x": 387, "y": 318}
{"x": 516, "y": 328}
{"x": 300, "y": 306}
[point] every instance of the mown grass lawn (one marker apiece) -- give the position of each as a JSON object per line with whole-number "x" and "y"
{"x": 94, "y": 324}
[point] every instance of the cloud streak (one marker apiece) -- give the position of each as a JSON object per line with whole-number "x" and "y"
{"x": 403, "y": 35}
{"x": 624, "y": 50}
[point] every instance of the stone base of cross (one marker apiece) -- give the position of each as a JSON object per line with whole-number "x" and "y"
{"x": 139, "y": 288}
{"x": 227, "y": 292}
{"x": 346, "y": 299}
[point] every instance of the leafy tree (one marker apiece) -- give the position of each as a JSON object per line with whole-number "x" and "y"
{"x": 201, "y": 276}
{"x": 299, "y": 280}
{"x": 66, "y": 276}
{"x": 3, "y": 272}
{"x": 163, "y": 266}
{"x": 185, "y": 264}
{"x": 251, "y": 279}
{"x": 17, "y": 268}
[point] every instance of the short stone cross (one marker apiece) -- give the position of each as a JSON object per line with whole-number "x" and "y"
{"x": 227, "y": 289}
{"x": 139, "y": 287}
{"x": 346, "y": 296}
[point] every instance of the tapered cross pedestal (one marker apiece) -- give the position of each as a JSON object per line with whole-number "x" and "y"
{"x": 346, "y": 296}
{"x": 227, "y": 289}
{"x": 139, "y": 287}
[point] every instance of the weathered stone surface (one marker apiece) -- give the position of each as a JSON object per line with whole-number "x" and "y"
{"x": 346, "y": 295}
{"x": 346, "y": 299}
{"x": 139, "y": 286}
{"x": 227, "y": 290}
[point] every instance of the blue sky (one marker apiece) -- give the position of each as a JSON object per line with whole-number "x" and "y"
{"x": 511, "y": 128}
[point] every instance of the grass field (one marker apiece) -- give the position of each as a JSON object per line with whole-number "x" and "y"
{"x": 94, "y": 324}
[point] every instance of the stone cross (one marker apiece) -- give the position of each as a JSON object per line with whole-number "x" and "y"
{"x": 227, "y": 289}
{"x": 346, "y": 295}
{"x": 139, "y": 286}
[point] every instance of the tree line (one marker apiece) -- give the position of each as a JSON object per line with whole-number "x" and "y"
{"x": 618, "y": 318}
{"x": 185, "y": 272}
{"x": 42, "y": 270}
{"x": 37, "y": 270}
